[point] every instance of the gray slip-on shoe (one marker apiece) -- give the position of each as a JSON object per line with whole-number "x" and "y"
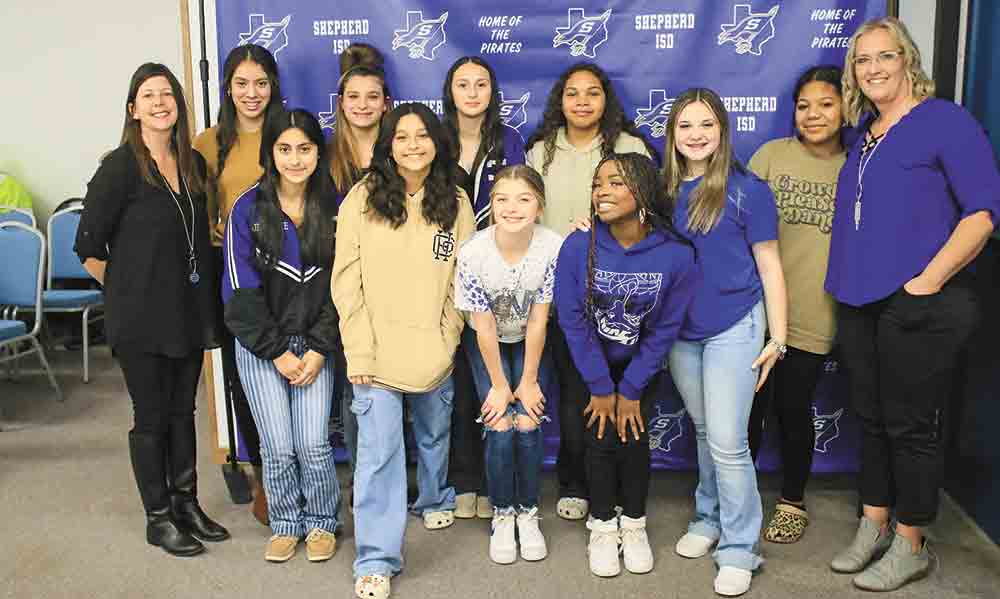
{"x": 897, "y": 567}
{"x": 868, "y": 543}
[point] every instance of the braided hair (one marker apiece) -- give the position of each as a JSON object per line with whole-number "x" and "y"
{"x": 653, "y": 206}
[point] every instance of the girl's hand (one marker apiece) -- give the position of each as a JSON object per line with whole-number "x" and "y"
{"x": 289, "y": 365}
{"x": 601, "y": 409}
{"x": 629, "y": 412}
{"x": 495, "y": 406}
{"x": 361, "y": 379}
{"x": 531, "y": 397}
{"x": 312, "y": 364}
{"x": 765, "y": 361}
{"x": 580, "y": 224}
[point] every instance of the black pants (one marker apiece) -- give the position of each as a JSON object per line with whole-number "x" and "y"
{"x": 619, "y": 471}
{"x": 785, "y": 404}
{"x": 465, "y": 466}
{"x": 570, "y": 464}
{"x": 901, "y": 354}
{"x": 234, "y": 388}
{"x": 162, "y": 389}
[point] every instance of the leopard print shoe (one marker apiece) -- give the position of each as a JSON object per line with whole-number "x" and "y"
{"x": 787, "y": 524}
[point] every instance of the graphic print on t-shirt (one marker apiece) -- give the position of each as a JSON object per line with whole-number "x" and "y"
{"x": 622, "y": 300}
{"x": 804, "y": 202}
{"x": 511, "y": 306}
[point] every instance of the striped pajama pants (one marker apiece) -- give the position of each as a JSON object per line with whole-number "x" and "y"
{"x": 295, "y": 446}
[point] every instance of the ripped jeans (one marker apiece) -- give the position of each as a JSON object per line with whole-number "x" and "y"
{"x": 514, "y": 448}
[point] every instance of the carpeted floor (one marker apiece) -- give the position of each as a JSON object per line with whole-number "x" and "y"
{"x": 73, "y": 527}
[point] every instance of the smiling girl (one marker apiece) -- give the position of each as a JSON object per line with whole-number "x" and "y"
{"x": 504, "y": 282}
{"x": 279, "y": 255}
{"x": 622, "y": 290}
{"x": 231, "y": 150}
{"x": 403, "y": 222}
{"x": 583, "y": 122}
{"x": 802, "y": 172}
{"x": 720, "y": 359}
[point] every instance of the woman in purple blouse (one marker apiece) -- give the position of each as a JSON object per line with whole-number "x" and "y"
{"x": 916, "y": 201}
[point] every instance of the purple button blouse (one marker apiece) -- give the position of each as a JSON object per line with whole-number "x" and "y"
{"x": 932, "y": 169}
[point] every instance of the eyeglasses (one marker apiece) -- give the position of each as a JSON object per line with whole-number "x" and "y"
{"x": 881, "y": 58}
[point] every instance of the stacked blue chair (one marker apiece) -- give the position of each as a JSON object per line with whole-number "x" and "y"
{"x": 64, "y": 264}
{"x": 23, "y": 250}
{"x": 18, "y": 215}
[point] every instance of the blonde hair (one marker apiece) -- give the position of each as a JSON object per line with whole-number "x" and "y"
{"x": 709, "y": 198}
{"x": 524, "y": 174}
{"x": 921, "y": 86}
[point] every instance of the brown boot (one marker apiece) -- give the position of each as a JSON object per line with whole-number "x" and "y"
{"x": 259, "y": 505}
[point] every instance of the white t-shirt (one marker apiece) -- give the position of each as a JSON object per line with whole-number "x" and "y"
{"x": 484, "y": 282}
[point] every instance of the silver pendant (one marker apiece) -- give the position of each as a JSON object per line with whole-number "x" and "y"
{"x": 194, "y": 278}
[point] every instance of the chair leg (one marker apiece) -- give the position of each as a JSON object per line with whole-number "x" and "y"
{"x": 48, "y": 370}
{"x": 86, "y": 339}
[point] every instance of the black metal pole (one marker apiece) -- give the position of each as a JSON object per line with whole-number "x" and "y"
{"x": 203, "y": 65}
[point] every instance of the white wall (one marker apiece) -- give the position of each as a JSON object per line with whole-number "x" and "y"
{"x": 919, "y": 17}
{"x": 65, "y": 75}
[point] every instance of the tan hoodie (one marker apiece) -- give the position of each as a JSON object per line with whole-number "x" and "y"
{"x": 394, "y": 290}
{"x": 567, "y": 184}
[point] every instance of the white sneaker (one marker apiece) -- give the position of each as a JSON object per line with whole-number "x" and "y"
{"x": 732, "y": 581}
{"x": 603, "y": 547}
{"x": 692, "y": 545}
{"x": 572, "y": 508}
{"x": 635, "y": 545}
{"x": 530, "y": 536}
{"x": 503, "y": 546}
{"x": 465, "y": 505}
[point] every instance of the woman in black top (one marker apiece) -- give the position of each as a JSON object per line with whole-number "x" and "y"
{"x": 143, "y": 234}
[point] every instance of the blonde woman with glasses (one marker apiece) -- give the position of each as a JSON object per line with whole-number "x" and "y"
{"x": 916, "y": 201}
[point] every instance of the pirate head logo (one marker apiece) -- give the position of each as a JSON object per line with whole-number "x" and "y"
{"x": 665, "y": 428}
{"x": 272, "y": 36}
{"x": 749, "y": 31}
{"x": 582, "y": 34}
{"x": 422, "y": 36}
{"x": 328, "y": 118}
{"x": 512, "y": 112}
{"x": 622, "y": 300}
{"x": 827, "y": 428}
{"x": 656, "y": 114}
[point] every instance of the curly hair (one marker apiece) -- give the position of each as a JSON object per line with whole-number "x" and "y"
{"x": 491, "y": 131}
{"x": 612, "y": 123}
{"x": 921, "y": 86}
{"x": 386, "y": 187}
{"x": 653, "y": 206}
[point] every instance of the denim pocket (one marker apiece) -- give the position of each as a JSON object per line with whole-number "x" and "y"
{"x": 360, "y": 404}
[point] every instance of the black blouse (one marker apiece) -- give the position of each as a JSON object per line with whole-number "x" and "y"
{"x": 151, "y": 305}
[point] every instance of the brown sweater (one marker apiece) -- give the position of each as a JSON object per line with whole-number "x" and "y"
{"x": 394, "y": 290}
{"x": 241, "y": 172}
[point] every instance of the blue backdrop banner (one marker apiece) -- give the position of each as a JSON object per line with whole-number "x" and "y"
{"x": 750, "y": 52}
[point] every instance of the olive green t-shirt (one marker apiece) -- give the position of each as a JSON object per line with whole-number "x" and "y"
{"x": 804, "y": 189}
{"x": 241, "y": 172}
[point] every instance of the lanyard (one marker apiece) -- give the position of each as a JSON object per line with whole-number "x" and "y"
{"x": 192, "y": 257}
{"x": 863, "y": 161}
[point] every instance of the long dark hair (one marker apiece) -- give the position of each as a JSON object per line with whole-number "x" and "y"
{"x": 642, "y": 177}
{"x": 180, "y": 136}
{"x": 357, "y": 60}
{"x": 386, "y": 187}
{"x": 612, "y": 124}
{"x": 316, "y": 234}
{"x": 491, "y": 131}
{"x": 225, "y": 130}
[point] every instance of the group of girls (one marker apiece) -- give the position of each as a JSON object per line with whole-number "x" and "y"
{"x": 455, "y": 299}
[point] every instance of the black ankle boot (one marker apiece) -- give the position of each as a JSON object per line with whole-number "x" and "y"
{"x": 147, "y": 452}
{"x": 183, "y": 484}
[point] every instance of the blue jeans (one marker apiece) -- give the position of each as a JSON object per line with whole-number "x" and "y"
{"x": 513, "y": 456}
{"x": 294, "y": 443}
{"x": 380, "y": 470}
{"x": 716, "y": 383}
